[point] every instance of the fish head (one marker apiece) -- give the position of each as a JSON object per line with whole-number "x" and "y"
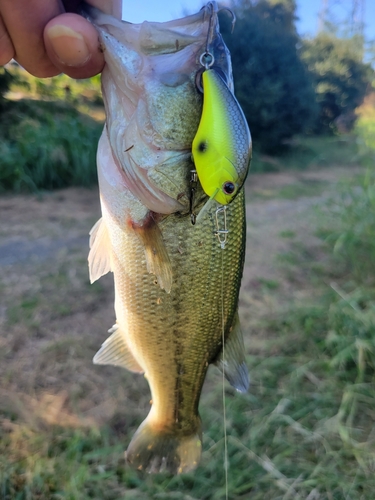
{"x": 153, "y": 105}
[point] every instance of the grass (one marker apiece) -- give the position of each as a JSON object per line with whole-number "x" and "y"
{"x": 46, "y": 145}
{"x": 84, "y": 94}
{"x": 49, "y": 130}
{"x": 365, "y": 125}
{"x": 306, "y": 426}
{"x": 287, "y": 234}
{"x": 303, "y": 153}
{"x": 298, "y": 189}
{"x": 306, "y": 187}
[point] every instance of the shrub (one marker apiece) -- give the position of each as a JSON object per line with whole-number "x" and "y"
{"x": 47, "y": 146}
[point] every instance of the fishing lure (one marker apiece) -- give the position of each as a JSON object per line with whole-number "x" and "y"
{"x": 221, "y": 149}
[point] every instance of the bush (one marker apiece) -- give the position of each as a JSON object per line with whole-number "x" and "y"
{"x": 365, "y": 126}
{"x": 5, "y": 80}
{"x": 45, "y": 145}
{"x": 341, "y": 78}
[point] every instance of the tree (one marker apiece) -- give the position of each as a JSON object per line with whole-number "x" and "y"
{"x": 5, "y": 81}
{"x": 272, "y": 84}
{"x": 341, "y": 78}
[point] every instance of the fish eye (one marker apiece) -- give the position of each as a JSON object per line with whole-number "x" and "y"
{"x": 229, "y": 187}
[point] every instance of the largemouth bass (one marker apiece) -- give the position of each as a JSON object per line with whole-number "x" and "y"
{"x": 176, "y": 284}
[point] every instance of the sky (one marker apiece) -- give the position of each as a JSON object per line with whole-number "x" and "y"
{"x": 307, "y": 12}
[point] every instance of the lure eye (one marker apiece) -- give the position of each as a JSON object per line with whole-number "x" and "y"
{"x": 229, "y": 187}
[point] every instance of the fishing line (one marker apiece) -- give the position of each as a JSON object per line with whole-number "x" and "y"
{"x": 223, "y": 380}
{"x": 222, "y": 234}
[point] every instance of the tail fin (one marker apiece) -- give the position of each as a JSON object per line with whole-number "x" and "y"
{"x": 156, "y": 451}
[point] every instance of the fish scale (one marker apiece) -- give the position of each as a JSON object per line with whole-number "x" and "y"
{"x": 176, "y": 284}
{"x": 190, "y": 315}
{"x": 193, "y": 307}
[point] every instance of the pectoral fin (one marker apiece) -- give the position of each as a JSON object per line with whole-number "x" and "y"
{"x": 115, "y": 351}
{"x": 100, "y": 251}
{"x": 157, "y": 258}
{"x": 171, "y": 177}
{"x": 233, "y": 362}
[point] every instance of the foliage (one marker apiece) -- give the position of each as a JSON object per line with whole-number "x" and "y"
{"x": 271, "y": 83}
{"x": 49, "y": 130}
{"x": 46, "y": 145}
{"x": 61, "y": 87}
{"x": 353, "y": 239}
{"x": 365, "y": 125}
{"x": 350, "y": 341}
{"x": 341, "y": 78}
{"x": 6, "y": 79}
{"x": 307, "y": 152}
{"x": 352, "y": 213}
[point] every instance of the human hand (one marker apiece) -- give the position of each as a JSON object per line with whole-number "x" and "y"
{"x": 47, "y": 37}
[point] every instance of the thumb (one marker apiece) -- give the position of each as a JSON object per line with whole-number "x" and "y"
{"x": 73, "y": 46}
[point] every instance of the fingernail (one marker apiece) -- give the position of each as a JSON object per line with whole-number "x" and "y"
{"x": 69, "y": 46}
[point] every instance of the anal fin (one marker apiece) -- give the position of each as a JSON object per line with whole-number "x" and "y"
{"x": 115, "y": 351}
{"x": 233, "y": 362}
{"x": 157, "y": 258}
{"x": 100, "y": 251}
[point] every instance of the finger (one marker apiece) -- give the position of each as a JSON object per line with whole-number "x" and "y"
{"x": 25, "y": 21}
{"x": 73, "y": 47}
{"x": 6, "y": 46}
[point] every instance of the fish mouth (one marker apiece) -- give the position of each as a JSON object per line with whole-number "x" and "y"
{"x": 142, "y": 61}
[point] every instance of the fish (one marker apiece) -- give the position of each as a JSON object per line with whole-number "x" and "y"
{"x": 176, "y": 283}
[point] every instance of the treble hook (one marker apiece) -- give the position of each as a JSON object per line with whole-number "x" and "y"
{"x": 231, "y": 13}
{"x": 215, "y": 10}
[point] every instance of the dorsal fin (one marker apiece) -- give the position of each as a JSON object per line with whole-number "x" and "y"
{"x": 115, "y": 351}
{"x": 100, "y": 251}
{"x": 234, "y": 364}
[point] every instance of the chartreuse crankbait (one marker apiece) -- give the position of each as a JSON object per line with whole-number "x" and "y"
{"x": 222, "y": 146}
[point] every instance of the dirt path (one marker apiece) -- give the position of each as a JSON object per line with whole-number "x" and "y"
{"x": 35, "y": 228}
{"x": 52, "y": 321}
